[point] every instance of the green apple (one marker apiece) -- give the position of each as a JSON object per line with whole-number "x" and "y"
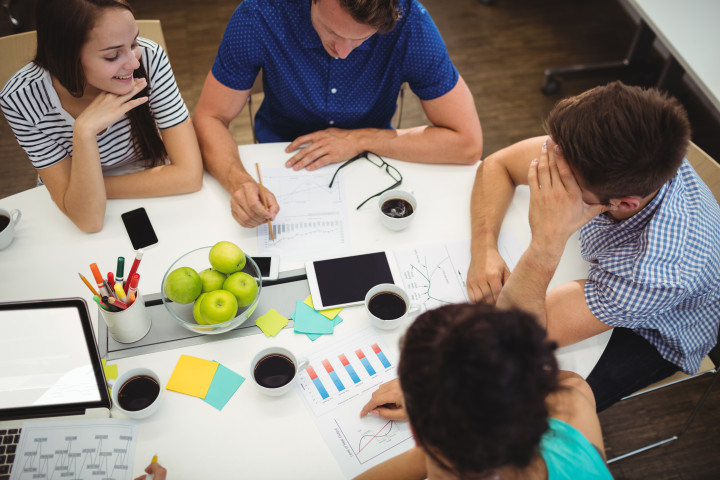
{"x": 243, "y": 286}
{"x": 218, "y": 306}
{"x": 196, "y": 310}
{"x": 226, "y": 257}
{"x": 211, "y": 280}
{"x": 183, "y": 285}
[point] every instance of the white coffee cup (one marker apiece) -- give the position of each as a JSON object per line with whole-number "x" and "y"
{"x": 407, "y": 310}
{"x": 275, "y": 378}
{"x": 393, "y": 222}
{"x": 8, "y": 233}
{"x": 122, "y": 380}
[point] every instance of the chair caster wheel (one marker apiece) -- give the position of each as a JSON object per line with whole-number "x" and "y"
{"x": 551, "y": 87}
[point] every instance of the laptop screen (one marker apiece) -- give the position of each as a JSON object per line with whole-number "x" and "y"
{"x": 49, "y": 361}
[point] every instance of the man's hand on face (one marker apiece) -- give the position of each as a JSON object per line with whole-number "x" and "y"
{"x": 321, "y": 148}
{"x": 557, "y": 209}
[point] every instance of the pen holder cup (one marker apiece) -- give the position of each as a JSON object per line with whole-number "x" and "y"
{"x": 129, "y": 325}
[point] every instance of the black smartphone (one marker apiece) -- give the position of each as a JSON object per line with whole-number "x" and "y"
{"x": 268, "y": 267}
{"x": 139, "y": 229}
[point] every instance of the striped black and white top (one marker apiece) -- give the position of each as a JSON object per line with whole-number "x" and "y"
{"x": 44, "y": 129}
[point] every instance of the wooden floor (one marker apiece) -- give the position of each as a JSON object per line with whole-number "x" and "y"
{"x": 501, "y": 52}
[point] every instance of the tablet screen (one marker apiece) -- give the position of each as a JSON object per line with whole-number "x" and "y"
{"x": 347, "y": 279}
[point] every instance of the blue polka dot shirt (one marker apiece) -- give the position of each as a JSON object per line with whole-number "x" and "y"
{"x": 307, "y": 90}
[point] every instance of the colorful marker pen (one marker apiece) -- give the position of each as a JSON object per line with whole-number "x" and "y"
{"x": 111, "y": 280}
{"x": 120, "y": 270}
{"x": 120, "y": 292}
{"x": 114, "y": 301}
{"x": 136, "y": 263}
{"x": 133, "y": 287}
{"x": 98, "y": 279}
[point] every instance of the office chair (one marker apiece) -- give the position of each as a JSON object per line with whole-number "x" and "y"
{"x": 709, "y": 171}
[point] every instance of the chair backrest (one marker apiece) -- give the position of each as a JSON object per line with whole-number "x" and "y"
{"x": 706, "y": 167}
{"x": 18, "y": 50}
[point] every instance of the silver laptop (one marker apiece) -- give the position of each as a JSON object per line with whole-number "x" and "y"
{"x": 49, "y": 368}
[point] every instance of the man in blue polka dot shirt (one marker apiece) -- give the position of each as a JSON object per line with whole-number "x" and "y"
{"x": 613, "y": 170}
{"x": 332, "y": 72}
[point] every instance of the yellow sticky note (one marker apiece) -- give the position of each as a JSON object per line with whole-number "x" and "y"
{"x": 192, "y": 376}
{"x": 329, "y": 313}
{"x": 271, "y": 323}
{"x": 111, "y": 371}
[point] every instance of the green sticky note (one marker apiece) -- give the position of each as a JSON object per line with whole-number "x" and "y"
{"x": 192, "y": 376}
{"x": 308, "y": 320}
{"x": 271, "y": 323}
{"x": 224, "y": 385}
{"x": 329, "y": 313}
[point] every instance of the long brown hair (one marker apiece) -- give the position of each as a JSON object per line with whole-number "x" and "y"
{"x": 63, "y": 27}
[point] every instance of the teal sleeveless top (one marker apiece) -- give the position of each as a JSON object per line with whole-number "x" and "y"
{"x": 569, "y": 455}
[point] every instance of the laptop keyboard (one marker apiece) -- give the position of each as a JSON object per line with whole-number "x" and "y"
{"x": 9, "y": 440}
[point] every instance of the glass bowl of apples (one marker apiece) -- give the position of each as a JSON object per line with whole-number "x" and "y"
{"x": 212, "y": 290}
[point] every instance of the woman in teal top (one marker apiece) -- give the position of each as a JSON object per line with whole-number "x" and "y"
{"x": 484, "y": 397}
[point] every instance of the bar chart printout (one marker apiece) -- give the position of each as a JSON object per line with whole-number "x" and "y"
{"x": 337, "y": 383}
{"x": 88, "y": 449}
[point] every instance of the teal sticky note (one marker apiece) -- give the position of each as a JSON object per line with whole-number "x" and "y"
{"x": 336, "y": 321}
{"x": 308, "y": 320}
{"x": 224, "y": 385}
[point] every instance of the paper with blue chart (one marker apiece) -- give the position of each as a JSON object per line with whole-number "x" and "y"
{"x": 337, "y": 383}
{"x": 312, "y": 221}
{"x": 435, "y": 274}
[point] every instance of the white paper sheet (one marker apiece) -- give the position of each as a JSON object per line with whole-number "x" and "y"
{"x": 338, "y": 382}
{"x": 312, "y": 221}
{"x": 89, "y": 449}
{"x": 435, "y": 274}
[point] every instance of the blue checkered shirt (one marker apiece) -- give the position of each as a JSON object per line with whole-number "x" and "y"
{"x": 658, "y": 272}
{"x": 307, "y": 90}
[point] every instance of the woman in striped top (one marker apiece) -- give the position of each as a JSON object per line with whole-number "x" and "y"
{"x": 98, "y": 111}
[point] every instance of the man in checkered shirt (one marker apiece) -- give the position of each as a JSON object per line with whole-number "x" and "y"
{"x": 613, "y": 167}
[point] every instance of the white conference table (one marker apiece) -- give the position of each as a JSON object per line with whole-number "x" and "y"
{"x": 254, "y": 436}
{"x": 689, "y": 30}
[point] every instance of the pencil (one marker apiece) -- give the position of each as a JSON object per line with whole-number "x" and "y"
{"x": 92, "y": 289}
{"x": 151, "y": 476}
{"x": 262, "y": 194}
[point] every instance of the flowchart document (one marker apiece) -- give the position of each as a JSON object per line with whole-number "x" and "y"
{"x": 87, "y": 449}
{"x": 312, "y": 221}
{"x": 336, "y": 384}
{"x": 436, "y": 274}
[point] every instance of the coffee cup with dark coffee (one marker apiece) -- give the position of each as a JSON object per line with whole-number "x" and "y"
{"x": 397, "y": 209}
{"x": 136, "y": 393}
{"x": 388, "y": 306}
{"x": 274, "y": 369}
{"x": 8, "y": 220}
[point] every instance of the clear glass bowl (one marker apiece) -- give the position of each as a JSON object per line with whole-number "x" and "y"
{"x": 198, "y": 260}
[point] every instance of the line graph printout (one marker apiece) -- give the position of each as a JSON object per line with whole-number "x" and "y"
{"x": 436, "y": 274}
{"x": 88, "y": 449}
{"x": 312, "y": 220}
{"x": 337, "y": 383}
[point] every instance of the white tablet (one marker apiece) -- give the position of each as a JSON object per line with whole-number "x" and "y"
{"x": 344, "y": 281}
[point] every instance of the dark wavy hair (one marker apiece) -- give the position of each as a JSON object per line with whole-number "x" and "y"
{"x": 63, "y": 27}
{"x": 475, "y": 380}
{"x": 381, "y": 14}
{"x": 621, "y": 140}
